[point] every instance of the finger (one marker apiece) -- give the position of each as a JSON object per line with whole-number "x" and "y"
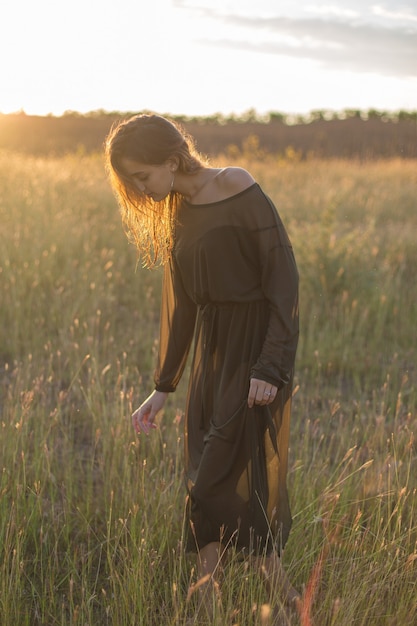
{"x": 266, "y": 396}
{"x": 261, "y": 395}
{"x": 270, "y": 394}
{"x": 146, "y": 424}
{"x": 135, "y": 422}
{"x": 149, "y": 424}
{"x": 141, "y": 420}
{"x": 252, "y": 394}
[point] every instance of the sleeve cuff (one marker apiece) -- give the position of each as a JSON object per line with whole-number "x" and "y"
{"x": 165, "y": 388}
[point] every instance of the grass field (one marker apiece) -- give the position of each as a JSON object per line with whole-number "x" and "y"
{"x": 91, "y": 516}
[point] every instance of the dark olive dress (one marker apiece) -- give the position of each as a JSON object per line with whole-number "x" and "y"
{"x": 232, "y": 286}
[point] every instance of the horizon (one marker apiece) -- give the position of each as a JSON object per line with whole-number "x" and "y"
{"x": 250, "y": 115}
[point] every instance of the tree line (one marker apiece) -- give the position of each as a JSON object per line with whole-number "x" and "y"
{"x": 323, "y": 134}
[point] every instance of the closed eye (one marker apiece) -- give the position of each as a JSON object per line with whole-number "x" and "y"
{"x": 141, "y": 177}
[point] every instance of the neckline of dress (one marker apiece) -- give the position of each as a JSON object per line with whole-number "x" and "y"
{"x": 235, "y": 195}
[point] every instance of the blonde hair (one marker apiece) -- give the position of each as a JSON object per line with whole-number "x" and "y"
{"x": 150, "y": 139}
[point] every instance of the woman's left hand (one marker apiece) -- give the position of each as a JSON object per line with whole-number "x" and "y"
{"x": 261, "y": 392}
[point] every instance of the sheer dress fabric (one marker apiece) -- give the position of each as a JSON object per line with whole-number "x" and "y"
{"x": 230, "y": 295}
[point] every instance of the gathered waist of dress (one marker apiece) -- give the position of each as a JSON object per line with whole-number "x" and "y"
{"x": 210, "y": 310}
{"x": 228, "y": 304}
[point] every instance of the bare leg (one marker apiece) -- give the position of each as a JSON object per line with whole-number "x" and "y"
{"x": 208, "y": 564}
{"x": 208, "y": 559}
{"x": 276, "y": 578}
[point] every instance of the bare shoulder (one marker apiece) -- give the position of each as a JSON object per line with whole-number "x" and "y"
{"x": 233, "y": 180}
{"x": 223, "y": 183}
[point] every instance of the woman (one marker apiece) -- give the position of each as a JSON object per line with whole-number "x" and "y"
{"x": 231, "y": 288}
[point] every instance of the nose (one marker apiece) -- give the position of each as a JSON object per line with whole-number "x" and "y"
{"x": 140, "y": 186}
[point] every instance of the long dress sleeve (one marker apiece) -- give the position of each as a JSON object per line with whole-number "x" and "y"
{"x": 178, "y": 314}
{"x": 279, "y": 278}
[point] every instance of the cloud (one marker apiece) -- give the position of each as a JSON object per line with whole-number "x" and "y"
{"x": 336, "y": 44}
{"x": 331, "y": 9}
{"x": 404, "y": 15}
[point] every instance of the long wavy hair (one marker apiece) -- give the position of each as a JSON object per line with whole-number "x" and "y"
{"x": 153, "y": 140}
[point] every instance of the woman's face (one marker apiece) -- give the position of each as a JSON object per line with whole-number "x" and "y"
{"x": 155, "y": 181}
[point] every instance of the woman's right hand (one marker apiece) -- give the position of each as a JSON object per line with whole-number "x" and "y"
{"x": 143, "y": 419}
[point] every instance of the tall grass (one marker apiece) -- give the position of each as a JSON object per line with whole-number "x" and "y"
{"x": 91, "y": 517}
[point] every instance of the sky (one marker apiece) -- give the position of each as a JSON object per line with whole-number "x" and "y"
{"x": 202, "y": 57}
